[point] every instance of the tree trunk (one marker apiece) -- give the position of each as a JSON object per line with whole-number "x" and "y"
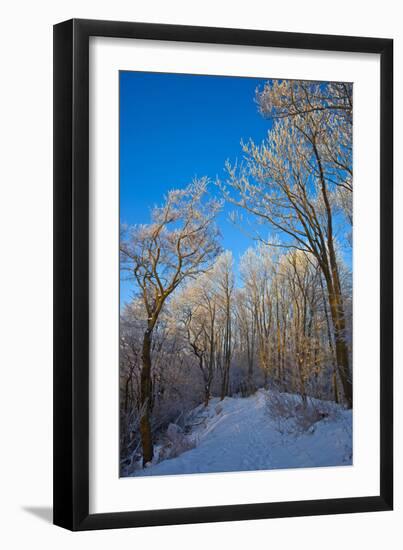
{"x": 207, "y": 388}
{"x": 266, "y": 380}
{"x": 250, "y": 376}
{"x": 225, "y": 382}
{"x": 300, "y": 351}
{"x": 335, "y": 298}
{"x": 329, "y": 337}
{"x": 283, "y": 345}
{"x": 206, "y": 394}
{"x": 278, "y": 337}
{"x": 339, "y": 325}
{"x": 250, "y": 367}
{"x": 335, "y": 389}
{"x": 146, "y": 392}
{"x": 207, "y": 379}
{"x": 227, "y": 349}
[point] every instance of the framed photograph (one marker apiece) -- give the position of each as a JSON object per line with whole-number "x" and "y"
{"x": 223, "y": 236}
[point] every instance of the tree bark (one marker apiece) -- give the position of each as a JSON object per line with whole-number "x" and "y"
{"x": 207, "y": 387}
{"x": 335, "y": 389}
{"x": 339, "y": 325}
{"x": 146, "y": 392}
{"x": 227, "y": 347}
{"x": 225, "y": 382}
{"x": 335, "y": 297}
{"x": 278, "y": 336}
{"x": 250, "y": 357}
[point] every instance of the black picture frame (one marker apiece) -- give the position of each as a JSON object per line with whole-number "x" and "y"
{"x": 71, "y": 274}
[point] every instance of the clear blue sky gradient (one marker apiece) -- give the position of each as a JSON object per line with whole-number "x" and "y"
{"x": 174, "y": 127}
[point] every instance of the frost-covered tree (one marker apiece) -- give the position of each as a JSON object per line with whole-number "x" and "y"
{"x": 256, "y": 271}
{"x": 204, "y": 311}
{"x": 223, "y": 276}
{"x": 180, "y": 243}
{"x": 289, "y": 182}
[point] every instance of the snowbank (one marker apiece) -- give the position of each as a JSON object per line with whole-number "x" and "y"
{"x": 238, "y": 434}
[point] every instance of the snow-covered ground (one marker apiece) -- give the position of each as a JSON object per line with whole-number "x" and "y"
{"x": 238, "y": 434}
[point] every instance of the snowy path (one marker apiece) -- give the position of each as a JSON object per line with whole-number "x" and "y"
{"x": 243, "y": 437}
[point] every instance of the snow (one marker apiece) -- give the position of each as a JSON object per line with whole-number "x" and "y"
{"x": 238, "y": 434}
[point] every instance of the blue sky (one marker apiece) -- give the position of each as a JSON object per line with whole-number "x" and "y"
{"x": 174, "y": 127}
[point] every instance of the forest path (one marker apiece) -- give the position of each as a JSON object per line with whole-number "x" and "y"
{"x": 237, "y": 434}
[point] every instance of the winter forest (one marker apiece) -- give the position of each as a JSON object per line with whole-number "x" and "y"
{"x": 236, "y": 280}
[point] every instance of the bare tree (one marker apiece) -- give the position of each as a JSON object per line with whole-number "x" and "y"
{"x": 256, "y": 274}
{"x": 179, "y": 243}
{"x": 246, "y": 326}
{"x": 224, "y": 281}
{"x": 194, "y": 312}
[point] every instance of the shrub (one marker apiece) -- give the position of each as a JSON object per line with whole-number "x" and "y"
{"x": 175, "y": 442}
{"x": 292, "y": 414}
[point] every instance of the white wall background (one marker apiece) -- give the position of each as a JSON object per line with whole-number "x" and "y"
{"x": 26, "y": 274}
